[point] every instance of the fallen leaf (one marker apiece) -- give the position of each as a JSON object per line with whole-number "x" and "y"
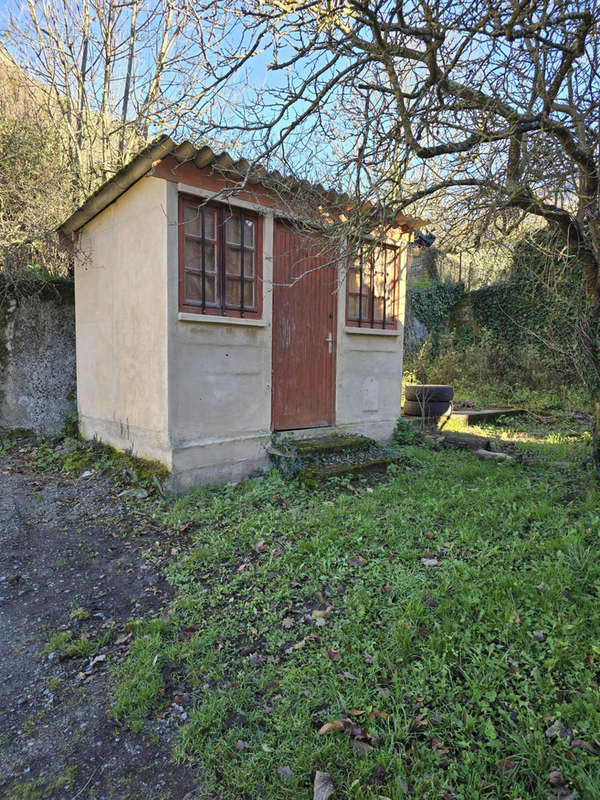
{"x": 287, "y": 623}
{"x": 241, "y": 744}
{"x": 335, "y": 725}
{"x": 260, "y": 546}
{"x": 323, "y": 786}
{"x": 430, "y": 562}
{"x": 581, "y": 744}
{"x": 333, "y": 654}
{"x": 539, "y": 636}
{"x": 560, "y": 788}
{"x": 429, "y": 535}
{"x": 308, "y": 638}
{"x": 505, "y": 766}
{"x": 378, "y": 775}
{"x": 420, "y": 721}
{"x": 356, "y": 561}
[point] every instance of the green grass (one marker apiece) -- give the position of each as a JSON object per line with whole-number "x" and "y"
{"x": 75, "y": 456}
{"x": 82, "y": 647}
{"x": 454, "y": 692}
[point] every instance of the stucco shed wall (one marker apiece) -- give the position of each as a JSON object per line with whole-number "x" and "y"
{"x": 219, "y": 380}
{"x": 369, "y": 370}
{"x": 121, "y": 323}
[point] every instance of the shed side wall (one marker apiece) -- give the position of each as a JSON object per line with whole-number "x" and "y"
{"x": 121, "y": 323}
{"x": 369, "y": 369}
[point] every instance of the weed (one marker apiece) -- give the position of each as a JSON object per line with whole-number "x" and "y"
{"x": 78, "y": 613}
{"x": 57, "y": 642}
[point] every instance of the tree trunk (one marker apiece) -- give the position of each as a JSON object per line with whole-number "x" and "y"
{"x": 588, "y": 335}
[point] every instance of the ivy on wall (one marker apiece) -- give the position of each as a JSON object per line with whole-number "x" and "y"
{"x": 433, "y": 302}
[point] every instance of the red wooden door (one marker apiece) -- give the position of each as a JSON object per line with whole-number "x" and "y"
{"x": 304, "y": 330}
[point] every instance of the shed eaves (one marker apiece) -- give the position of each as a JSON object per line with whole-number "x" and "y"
{"x": 202, "y": 157}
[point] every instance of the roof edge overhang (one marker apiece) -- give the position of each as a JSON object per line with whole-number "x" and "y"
{"x": 202, "y": 157}
{"x": 118, "y": 184}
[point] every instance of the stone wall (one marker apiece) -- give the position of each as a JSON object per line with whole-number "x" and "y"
{"x": 415, "y": 333}
{"x": 37, "y": 359}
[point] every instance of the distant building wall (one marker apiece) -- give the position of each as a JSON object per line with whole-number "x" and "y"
{"x": 37, "y": 359}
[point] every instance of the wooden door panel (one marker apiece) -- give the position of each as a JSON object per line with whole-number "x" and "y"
{"x": 304, "y": 316}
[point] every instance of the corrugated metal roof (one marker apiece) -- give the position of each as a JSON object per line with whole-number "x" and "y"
{"x": 202, "y": 157}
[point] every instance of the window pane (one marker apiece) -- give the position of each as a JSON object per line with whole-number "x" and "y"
{"x": 366, "y": 307}
{"x": 354, "y": 278}
{"x": 248, "y": 262}
{"x": 192, "y": 215}
{"x": 353, "y": 306}
{"x": 192, "y": 288}
{"x": 378, "y": 309}
{"x": 248, "y": 233}
{"x": 233, "y": 226}
{"x": 232, "y": 230}
{"x": 193, "y": 255}
{"x": 210, "y": 224}
{"x": 234, "y": 298}
{"x": 232, "y": 260}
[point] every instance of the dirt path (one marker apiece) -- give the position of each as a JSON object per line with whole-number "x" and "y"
{"x": 72, "y": 562}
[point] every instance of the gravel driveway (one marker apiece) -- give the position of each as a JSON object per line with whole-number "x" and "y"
{"x": 73, "y": 567}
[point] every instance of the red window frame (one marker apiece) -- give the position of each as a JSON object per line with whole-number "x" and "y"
{"x": 221, "y": 305}
{"x": 377, "y": 290}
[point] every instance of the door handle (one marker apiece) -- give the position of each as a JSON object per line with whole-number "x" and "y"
{"x": 329, "y": 341}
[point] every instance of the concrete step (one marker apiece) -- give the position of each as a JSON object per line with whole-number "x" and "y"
{"x": 314, "y": 459}
{"x": 472, "y": 417}
{"x": 317, "y": 473}
{"x": 336, "y": 442}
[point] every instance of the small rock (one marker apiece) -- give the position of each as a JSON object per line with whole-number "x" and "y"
{"x": 361, "y": 748}
{"x": 87, "y": 474}
{"x": 539, "y": 636}
{"x": 285, "y": 772}
{"x": 241, "y": 745}
{"x": 323, "y": 787}
{"x": 430, "y": 562}
{"x": 557, "y": 729}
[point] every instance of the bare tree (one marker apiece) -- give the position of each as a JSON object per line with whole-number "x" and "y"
{"x": 107, "y": 74}
{"x": 492, "y": 106}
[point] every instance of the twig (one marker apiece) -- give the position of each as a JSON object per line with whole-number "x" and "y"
{"x": 86, "y": 784}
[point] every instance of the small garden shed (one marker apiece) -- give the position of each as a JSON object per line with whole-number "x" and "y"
{"x": 206, "y": 319}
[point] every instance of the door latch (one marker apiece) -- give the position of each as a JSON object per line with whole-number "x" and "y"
{"x": 329, "y": 341}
